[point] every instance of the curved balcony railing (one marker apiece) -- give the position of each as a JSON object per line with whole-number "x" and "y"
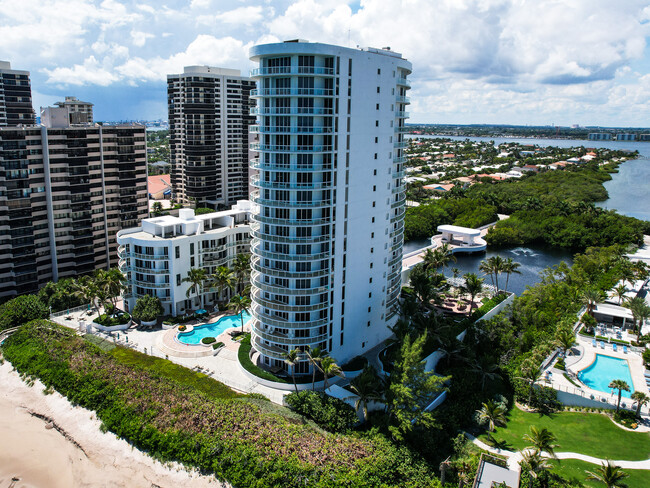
{"x": 267, "y": 319}
{"x": 137, "y": 269}
{"x": 399, "y": 174}
{"x": 285, "y": 339}
{"x": 314, "y": 167}
{"x": 257, "y": 250}
{"x": 315, "y": 148}
{"x": 401, "y": 115}
{"x": 404, "y": 82}
{"x": 283, "y": 307}
{"x": 289, "y": 239}
{"x": 400, "y": 99}
{"x": 403, "y": 129}
{"x": 267, "y": 287}
{"x": 291, "y": 70}
{"x": 279, "y": 129}
{"x": 313, "y": 203}
{"x": 291, "y": 111}
{"x": 276, "y": 185}
{"x": 297, "y": 92}
{"x": 289, "y": 222}
{"x": 144, "y": 284}
{"x": 399, "y": 159}
{"x": 399, "y": 202}
{"x": 269, "y": 351}
{"x": 400, "y": 144}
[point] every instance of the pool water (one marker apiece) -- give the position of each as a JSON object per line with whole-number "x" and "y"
{"x": 603, "y": 370}
{"x": 211, "y": 330}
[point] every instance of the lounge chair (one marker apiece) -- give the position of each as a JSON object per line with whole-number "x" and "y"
{"x": 602, "y": 344}
{"x": 593, "y": 342}
{"x": 624, "y": 349}
{"x": 615, "y": 347}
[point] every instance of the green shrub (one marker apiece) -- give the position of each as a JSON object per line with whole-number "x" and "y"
{"x": 21, "y": 310}
{"x": 489, "y": 305}
{"x": 560, "y": 364}
{"x": 108, "y": 321}
{"x": 244, "y": 359}
{"x": 208, "y": 340}
{"x": 357, "y": 363}
{"x": 217, "y": 345}
{"x": 625, "y": 417}
{"x": 329, "y": 413}
{"x": 203, "y": 210}
{"x": 147, "y": 308}
{"x": 646, "y": 357}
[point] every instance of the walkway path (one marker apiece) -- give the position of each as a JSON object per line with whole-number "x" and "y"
{"x": 513, "y": 458}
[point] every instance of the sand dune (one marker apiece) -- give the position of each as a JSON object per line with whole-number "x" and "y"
{"x": 45, "y": 442}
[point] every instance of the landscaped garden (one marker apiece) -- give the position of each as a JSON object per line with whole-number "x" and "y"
{"x": 576, "y": 470}
{"x": 592, "y": 434}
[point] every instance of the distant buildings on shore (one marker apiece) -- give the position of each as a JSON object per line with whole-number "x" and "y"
{"x": 609, "y": 136}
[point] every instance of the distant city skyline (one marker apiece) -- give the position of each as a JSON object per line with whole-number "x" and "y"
{"x": 477, "y": 61}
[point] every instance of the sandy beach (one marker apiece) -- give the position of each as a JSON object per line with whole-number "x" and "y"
{"x": 45, "y": 442}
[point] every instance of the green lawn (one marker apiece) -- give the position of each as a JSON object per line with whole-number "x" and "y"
{"x": 586, "y": 433}
{"x": 178, "y": 373}
{"x": 575, "y": 469}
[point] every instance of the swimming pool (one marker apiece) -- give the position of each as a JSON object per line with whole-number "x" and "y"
{"x": 211, "y": 330}
{"x": 599, "y": 374}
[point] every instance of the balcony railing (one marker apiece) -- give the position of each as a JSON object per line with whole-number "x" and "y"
{"x": 291, "y": 70}
{"x": 297, "y": 92}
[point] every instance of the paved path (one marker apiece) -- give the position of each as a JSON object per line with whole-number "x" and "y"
{"x": 513, "y": 458}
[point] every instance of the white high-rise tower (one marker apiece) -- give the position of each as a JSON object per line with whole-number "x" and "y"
{"x": 327, "y": 242}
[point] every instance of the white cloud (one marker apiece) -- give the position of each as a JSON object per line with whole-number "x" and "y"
{"x": 90, "y": 72}
{"x": 139, "y": 38}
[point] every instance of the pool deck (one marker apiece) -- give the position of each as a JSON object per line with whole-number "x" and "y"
{"x": 585, "y": 356}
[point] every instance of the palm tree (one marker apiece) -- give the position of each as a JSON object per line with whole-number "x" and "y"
{"x": 329, "y": 368}
{"x": 533, "y": 463}
{"x": 621, "y": 386}
{"x": 565, "y": 340}
{"x": 530, "y": 373}
{"x": 223, "y": 279}
{"x": 620, "y": 291}
{"x": 641, "y": 399}
{"x": 492, "y": 266}
{"x": 590, "y": 297}
{"x": 493, "y": 414}
{"x": 542, "y": 440}
{"x": 242, "y": 269}
{"x": 640, "y": 313}
{"x": 421, "y": 283}
{"x": 610, "y": 475}
{"x": 315, "y": 356}
{"x": 114, "y": 283}
{"x": 195, "y": 277}
{"x": 291, "y": 358}
{"x": 367, "y": 388}
{"x": 487, "y": 370}
{"x": 84, "y": 287}
{"x": 473, "y": 286}
{"x": 509, "y": 267}
{"x": 240, "y": 304}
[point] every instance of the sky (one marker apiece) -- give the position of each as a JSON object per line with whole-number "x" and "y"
{"x": 526, "y": 62}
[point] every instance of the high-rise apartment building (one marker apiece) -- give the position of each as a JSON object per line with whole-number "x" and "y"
{"x": 78, "y": 112}
{"x": 209, "y": 115}
{"x": 64, "y": 194}
{"x": 15, "y": 97}
{"x": 327, "y": 240}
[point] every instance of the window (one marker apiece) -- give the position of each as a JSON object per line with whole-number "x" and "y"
{"x": 192, "y": 263}
{"x": 376, "y": 140}
{"x": 374, "y": 187}
{"x": 374, "y": 173}
{"x": 373, "y": 204}
{"x": 178, "y": 278}
{"x": 370, "y": 295}
{"x": 375, "y": 155}
{"x": 377, "y": 89}
{"x": 178, "y": 252}
{"x": 376, "y": 123}
{"x": 369, "y": 309}
{"x": 377, "y": 107}
{"x": 372, "y": 250}
{"x": 371, "y": 264}
{"x": 192, "y": 248}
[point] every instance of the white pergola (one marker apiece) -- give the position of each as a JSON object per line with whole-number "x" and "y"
{"x": 464, "y": 234}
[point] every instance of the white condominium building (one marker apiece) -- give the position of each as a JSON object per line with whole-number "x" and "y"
{"x": 157, "y": 256}
{"x": 327, "y": 239}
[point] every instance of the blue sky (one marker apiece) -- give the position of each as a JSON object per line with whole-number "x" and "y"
{"x": 475, "y": 61}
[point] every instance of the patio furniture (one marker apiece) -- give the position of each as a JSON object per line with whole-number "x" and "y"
{"x": 615, "y": 348}
{"x": 602, "y": 344}
{"x": 624, "y": 349}
{"x": 593, "y": 342}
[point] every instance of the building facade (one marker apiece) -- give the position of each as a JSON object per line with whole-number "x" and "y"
{"x": 79, "y": 112}
{"x": 64, "y": 194}
{"x": 157, "y": 256}
{"x": 15, "y": 97}
{"x": 208, "y": 135}
{"x": 327, "y": 239}
{"x": 600, "y": 136}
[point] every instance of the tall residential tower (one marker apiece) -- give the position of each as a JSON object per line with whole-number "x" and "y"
{"x": 208, "y": 135}
{"x": 15, "y": 97}
{"x": 327, "y": 241}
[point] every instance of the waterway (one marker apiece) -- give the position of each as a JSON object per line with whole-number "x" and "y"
{"x": 533, "y": 260}
{"x": 629, "y": 189}
{"x": 629, "y": 194}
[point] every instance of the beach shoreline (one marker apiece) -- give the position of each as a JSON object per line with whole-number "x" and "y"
{"x": 48, "y": 442}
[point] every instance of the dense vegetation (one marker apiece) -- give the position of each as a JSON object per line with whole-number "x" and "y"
{"x": 244, "y": 441}
{"x": 421, "y": 222}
